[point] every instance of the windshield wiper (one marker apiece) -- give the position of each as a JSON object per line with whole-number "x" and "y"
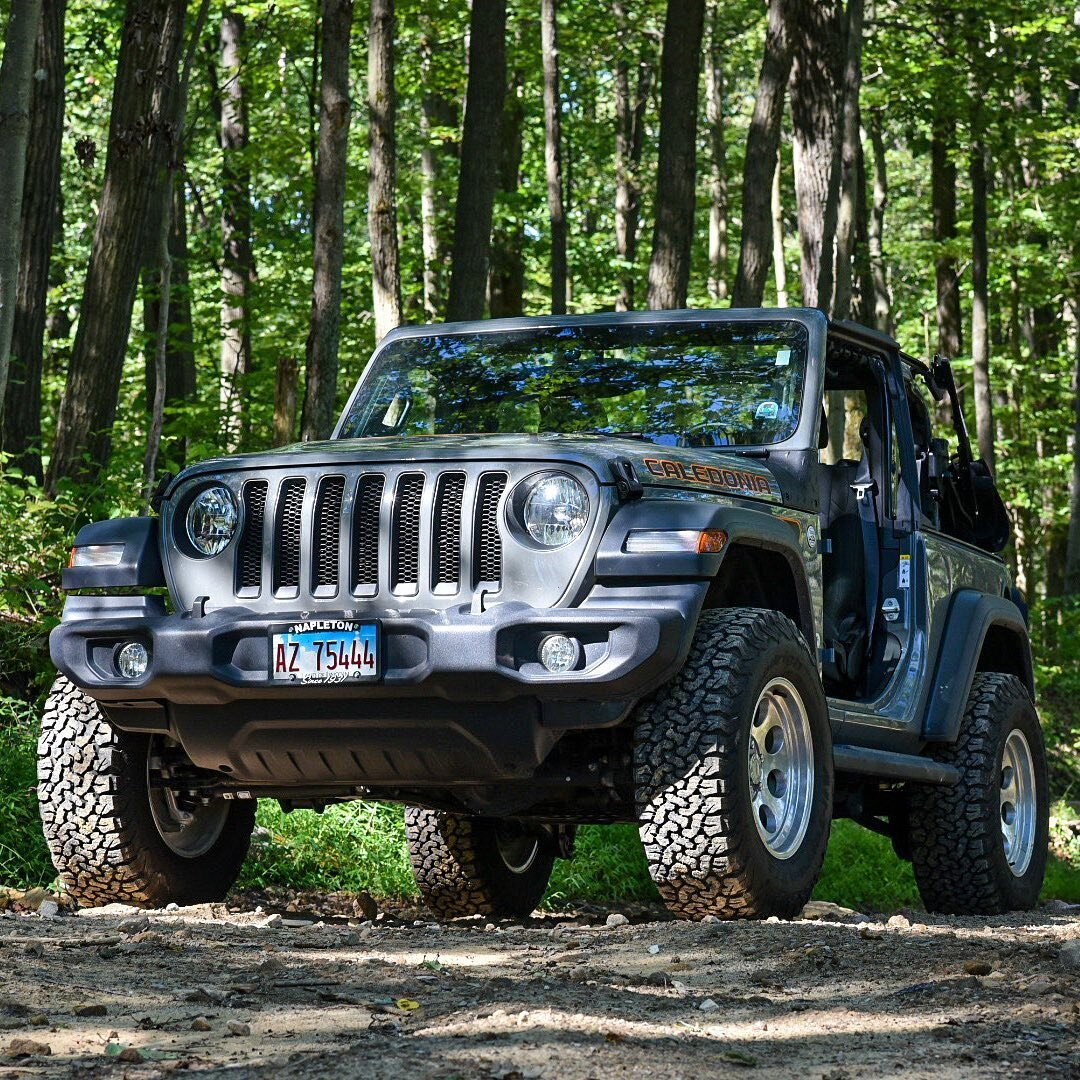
{"x": 610, "y": 434}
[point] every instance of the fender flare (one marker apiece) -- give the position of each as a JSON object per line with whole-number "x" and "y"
{"x": 745, "y": 527}
{"x": 970, "y": 618}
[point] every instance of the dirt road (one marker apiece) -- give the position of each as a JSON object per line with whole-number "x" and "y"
{"x": 309, "y": 994}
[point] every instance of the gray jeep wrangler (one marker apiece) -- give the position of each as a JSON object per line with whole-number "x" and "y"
{"x": 561, "y": 570}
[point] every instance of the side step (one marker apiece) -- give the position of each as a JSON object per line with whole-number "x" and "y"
{"x": 885, "y": 763}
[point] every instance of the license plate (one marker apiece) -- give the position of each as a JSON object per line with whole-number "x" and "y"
{"x": 325, "y": 651}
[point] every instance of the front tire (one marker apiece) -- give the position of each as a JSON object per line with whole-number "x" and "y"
{"x": 112, "y": 836}
{"x": 979, "y": 847}
{"x": 733, "y": 771}
{"x": 477, "y": 866}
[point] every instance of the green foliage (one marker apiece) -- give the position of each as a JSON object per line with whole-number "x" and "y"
{"x": 24, "y": 859}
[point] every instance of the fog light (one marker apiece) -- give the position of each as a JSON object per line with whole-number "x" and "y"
{"x": 133, "y": 660}
{"x": 559, "y": 653}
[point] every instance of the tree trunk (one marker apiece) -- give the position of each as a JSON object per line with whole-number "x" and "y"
{"x": 21, "y": 411}
{"x": 816, "y": 72}
{"x": 166, "y": 196}
{"x": 506, "y": 284}
{"x": 140, "y": 143}
{"x": 16, "y": 82}
{"x": 1072, "y": 550}
{"x": 430, "y": 119}
{"x": 479, "y": 160}
{"x": 180, "y": 345}
{"x": 980, "y": 306}
{"x": 779, "y": 267}
{"x": 549, "y": 43}
{"x": 673, "y": 231}
{"x": 850, "y": 146}
{"x": 943, "y": 198}
{"x": 762, "y": 146}
{"x": 630, "y": 105}
{"x": 882, "y": 303}
{"x": 237, "y": 267}
{"x": 718, "y": 184}
{"x": 288, "y": 378}
{"x": 328, "y": 224}
{"x": 382, "y": 175}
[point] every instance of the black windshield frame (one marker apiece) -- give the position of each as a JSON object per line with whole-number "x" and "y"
{"x": 763, "y": 346}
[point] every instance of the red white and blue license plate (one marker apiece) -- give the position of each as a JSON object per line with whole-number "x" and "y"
{"x": 325, "y": 651}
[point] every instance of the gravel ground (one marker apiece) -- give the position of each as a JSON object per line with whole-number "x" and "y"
{"x": 311, "y": 988}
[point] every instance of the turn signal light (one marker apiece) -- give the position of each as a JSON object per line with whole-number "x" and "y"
{"x": 711, "y": 541}
{"x": 662, "y": 541}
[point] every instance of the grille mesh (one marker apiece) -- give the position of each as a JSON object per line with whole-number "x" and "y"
{"x": 249, "y": 553}
{"x": 405, "y": 553}
{"x": 487, "y": 557}
{"x": 327, "y": 538}
{"x": 448, "y": 496}
{"x": 288, "y": 534}
{"x": 366, "y": 531}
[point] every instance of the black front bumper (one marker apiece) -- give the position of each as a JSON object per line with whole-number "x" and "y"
{"x": 461, "y": 697}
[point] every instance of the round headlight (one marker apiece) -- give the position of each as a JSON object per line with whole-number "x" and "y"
{"x": 556, "y": 510}
{"x": 211, "y": 520}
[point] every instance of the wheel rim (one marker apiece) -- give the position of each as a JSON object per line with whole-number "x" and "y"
{"x": 517, "y": 848}
{"x": 1018, "y": 802}
{"x": 780, "y": 768}
{"x": 187, "y": 831}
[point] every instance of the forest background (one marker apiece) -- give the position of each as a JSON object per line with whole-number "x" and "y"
{"x": 209, "y": 215}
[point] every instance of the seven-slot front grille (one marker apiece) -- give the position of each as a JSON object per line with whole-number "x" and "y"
{"x": 398, "y": 534}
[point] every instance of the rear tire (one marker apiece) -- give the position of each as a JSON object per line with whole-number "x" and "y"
{"x": 979, "y": 847}
{"x": 477, "y": 866}
{"x": 733, "y": 771}
{"x": 106, "y": 830}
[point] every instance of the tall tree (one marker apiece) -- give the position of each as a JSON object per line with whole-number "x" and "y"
{"x": 850, "y": 161}
{"x": 140, "y": 141}
{"x": 680, "y": 68}
{"x": 816, "y": 70}
{"x": 382, "y": 169}
{"x": 631, "y": 97}
{"x": 718, "y": 182}
{"x": 320, "y": 392}
{"x": 943, "y": 224}
{"x": 980, "y": 297}
{"x": 762, "y": 146}
{"x": 166, "y": 196}
{"x": 479, "y": 160}
{"x": 436, "y": 114}
{"x": 506, "y": 279}
{"x": 180, "y": 375}
{"x": 20, "y": 416}
{"x": 779, "y": 266}
{"x": 16, "y": 72}
{"x": 237, "y": 262}
{"x": 549, "y": 46}
{"x": 878, "y": 311}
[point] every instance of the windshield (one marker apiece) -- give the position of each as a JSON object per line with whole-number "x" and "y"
{"x": 707, "y": 383}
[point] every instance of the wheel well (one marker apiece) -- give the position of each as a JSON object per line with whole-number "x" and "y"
{"x": 1006, "y": 652}
{"x": 761, "y": 577}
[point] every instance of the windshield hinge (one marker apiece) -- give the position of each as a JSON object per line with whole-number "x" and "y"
{"x": 627, "y": 484}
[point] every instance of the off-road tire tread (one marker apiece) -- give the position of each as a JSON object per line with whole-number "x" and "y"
{"x": 453, "y": 873}
{"x": 954, "y": 840}
{"x": 88, "y": 787}
{"x": 686, "y": 768}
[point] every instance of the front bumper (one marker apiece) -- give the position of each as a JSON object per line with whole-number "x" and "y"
{"x": 222, "y": 656}
{"x": 461, "y": 698}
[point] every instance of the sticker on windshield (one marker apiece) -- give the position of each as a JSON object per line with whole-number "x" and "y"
{"x": 767, "y": 410}
{"x": 783, "y": 357}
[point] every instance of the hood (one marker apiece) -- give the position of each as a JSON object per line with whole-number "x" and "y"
{"x": 701, "y": 469}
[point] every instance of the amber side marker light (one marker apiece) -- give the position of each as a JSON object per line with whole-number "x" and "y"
{"x": 661, "y": 541}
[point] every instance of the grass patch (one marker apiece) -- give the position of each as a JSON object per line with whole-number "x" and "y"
{"x": 24, "y": 858}
{"x": 362, "y": 846}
